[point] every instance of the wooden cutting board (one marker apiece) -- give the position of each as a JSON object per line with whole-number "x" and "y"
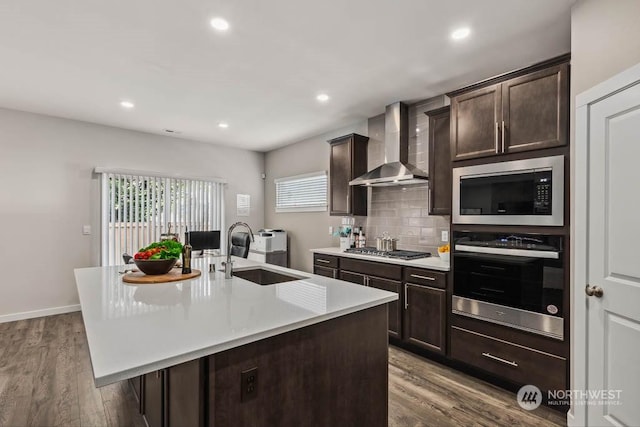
{"x": 174, "y": 275}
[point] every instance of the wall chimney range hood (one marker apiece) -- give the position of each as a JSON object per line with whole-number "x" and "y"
{"x": 396, "y": 170}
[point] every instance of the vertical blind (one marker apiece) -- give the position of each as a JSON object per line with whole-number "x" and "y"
{"x": 137, "y": 209}
{"x": 302, "y": 193}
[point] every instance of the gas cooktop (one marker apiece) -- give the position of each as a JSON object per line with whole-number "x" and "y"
{"x": 406, "y": 255}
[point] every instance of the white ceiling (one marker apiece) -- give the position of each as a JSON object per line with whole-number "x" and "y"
{"x": 79, "y": 59}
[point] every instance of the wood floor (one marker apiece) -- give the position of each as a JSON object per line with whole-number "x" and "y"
{"x": 46, "y": 380}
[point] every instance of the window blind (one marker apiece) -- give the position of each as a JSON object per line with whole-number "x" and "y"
{"x": 137, "y": 209}
{"x": 302, "y": 193}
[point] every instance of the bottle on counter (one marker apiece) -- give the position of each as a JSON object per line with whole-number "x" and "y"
{"x": 362, "y": 240}
{"x": 353, "y": 238}
{"x": 186, "y": 254}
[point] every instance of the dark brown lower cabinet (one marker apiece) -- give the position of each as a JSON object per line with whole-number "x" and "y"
{"x": 504, "y": 359}
{"x": 325, "y": 271}
{"x": 136, "y": 386}
{"x": 154, "y": 393}
{"x": 425, "y": 317}
{"x": 395, "y": 321}
{"x": 185, "y": 397}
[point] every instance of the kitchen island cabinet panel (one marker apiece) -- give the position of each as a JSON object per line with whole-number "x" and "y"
{"x": 329, "y": 374}
{"x": 154, "y": 398}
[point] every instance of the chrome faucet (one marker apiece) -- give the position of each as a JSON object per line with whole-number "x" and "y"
{"x": 228, "y": 265}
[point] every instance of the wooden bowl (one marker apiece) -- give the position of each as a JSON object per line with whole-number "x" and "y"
{"x": 154, "y": 267}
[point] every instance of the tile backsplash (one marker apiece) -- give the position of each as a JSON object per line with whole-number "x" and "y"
{"x": 403, "y": 212}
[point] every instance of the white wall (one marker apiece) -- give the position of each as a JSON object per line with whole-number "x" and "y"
{"x": 307, "y": 230}
{"x": 48, "y": 193}
{"x": 605, "y": 40}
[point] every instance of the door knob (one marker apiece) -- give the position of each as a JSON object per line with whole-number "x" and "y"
{"x": 594, "y": 291}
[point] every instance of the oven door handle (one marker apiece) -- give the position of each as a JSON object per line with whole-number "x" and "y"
{"x": 511, "y": 252}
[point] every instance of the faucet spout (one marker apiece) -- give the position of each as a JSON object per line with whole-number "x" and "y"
{"x": 228, "y": 266}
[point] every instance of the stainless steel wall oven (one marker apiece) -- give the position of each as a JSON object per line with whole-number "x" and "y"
{"x": 513, "y": 280}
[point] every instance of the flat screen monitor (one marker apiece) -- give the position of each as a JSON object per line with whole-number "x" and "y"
{"x": 201, "y": 240}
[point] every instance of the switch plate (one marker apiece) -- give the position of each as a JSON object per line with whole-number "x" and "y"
{"x": 330, "y": 230}
{"x": 86, "y": 230}
{"x": 248, "y": 384}
{"x": 445, "y": 236}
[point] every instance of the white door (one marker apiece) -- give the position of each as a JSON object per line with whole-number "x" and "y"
{"x": 612, "y": 333}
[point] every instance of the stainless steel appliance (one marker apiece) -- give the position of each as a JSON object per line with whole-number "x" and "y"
{"x": 512, "y": 280}
{"x": 521, "y": 192}
{"x": 397, "y": 254}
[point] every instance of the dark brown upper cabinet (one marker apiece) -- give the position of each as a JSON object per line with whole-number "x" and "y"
{"x": 439, "y": 161}
{"x": 348, "y": 160}
{"x": 526, "y": 110}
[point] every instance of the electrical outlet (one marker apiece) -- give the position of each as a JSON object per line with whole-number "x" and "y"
{"x": 330, "y": 230}
{"x": 445, "y": 236}
{"x": 248, "y": 384}
{"x": 86, "y": 230}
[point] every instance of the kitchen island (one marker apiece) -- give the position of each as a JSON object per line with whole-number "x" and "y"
{"x": 219, "y": 352}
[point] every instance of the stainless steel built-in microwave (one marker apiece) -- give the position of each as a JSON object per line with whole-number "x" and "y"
{"x": 521, "y": 192}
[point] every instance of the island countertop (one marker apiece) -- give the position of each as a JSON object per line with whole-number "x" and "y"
{"x": 432, "y": 262}
{"x": 137, "y": 329}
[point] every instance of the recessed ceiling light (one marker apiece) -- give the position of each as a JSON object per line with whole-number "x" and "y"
{"x": 323, "y": 97}
{"x": 127, "y": 104}
{"x": 460, "y": 33}
{"x": 219, "y": 24}
{"x": 223, "y": 125}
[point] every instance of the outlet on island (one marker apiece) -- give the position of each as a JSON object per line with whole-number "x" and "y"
{"x": 248, "y": 384}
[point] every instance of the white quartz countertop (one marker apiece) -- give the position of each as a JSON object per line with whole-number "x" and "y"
{"x": 432, "y": 262}
{"x": 137, "y": 329}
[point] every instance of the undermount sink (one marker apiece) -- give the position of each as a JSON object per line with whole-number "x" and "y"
{"x": 263, "y": 276}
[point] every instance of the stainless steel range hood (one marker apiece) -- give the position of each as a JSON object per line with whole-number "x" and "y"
{"x": 396, "y": 170}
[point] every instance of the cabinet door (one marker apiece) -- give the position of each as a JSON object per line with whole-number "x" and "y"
{"x": 425, "y": 317}
{"x": 325, "y": 271}
{"x": 185, "y": 386}
{"x": 534, "y": 110}
{"x": 356, "y": 278}
{"x": 136, "y": 384}
{"x": 154, "y": 399}
{"x": 339, "y": 177}
{"x": 395, "y": 321}
{"x": 348, "y": 160}
{"x": 475, "y": 123}
{"x": 440, "y": 164}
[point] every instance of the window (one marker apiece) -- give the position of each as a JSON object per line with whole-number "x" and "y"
{"x": 302, "y": 193}
{"x": 137, "y": 207}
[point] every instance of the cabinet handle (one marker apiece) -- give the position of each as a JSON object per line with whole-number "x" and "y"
{"x": 406, "y": 297}
{"x": 503, "y": 136}
{"x": 348, "y": 205}
{"x": 158, "y": 374}
{"x": 366, "y": 280}
{"x": 323, "y": 260}
{"x": 417, "y": 276}
{"x": 335, "y": 273}
{"x": 430, "y": 199}
{"x": 497, "y": 130}
{"x": 499, "y": 359}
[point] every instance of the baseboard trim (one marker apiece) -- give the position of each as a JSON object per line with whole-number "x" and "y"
{"x": 39, "y": 313}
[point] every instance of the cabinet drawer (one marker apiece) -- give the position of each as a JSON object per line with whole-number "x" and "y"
{"x": 326, "y": 260}
{"x": 423, "y": 277}
{"x": 378, "y": 269}
{"x": 359, "y": 279}
{"x": 513, "y": 362}
{"x": 326, "y": 272}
